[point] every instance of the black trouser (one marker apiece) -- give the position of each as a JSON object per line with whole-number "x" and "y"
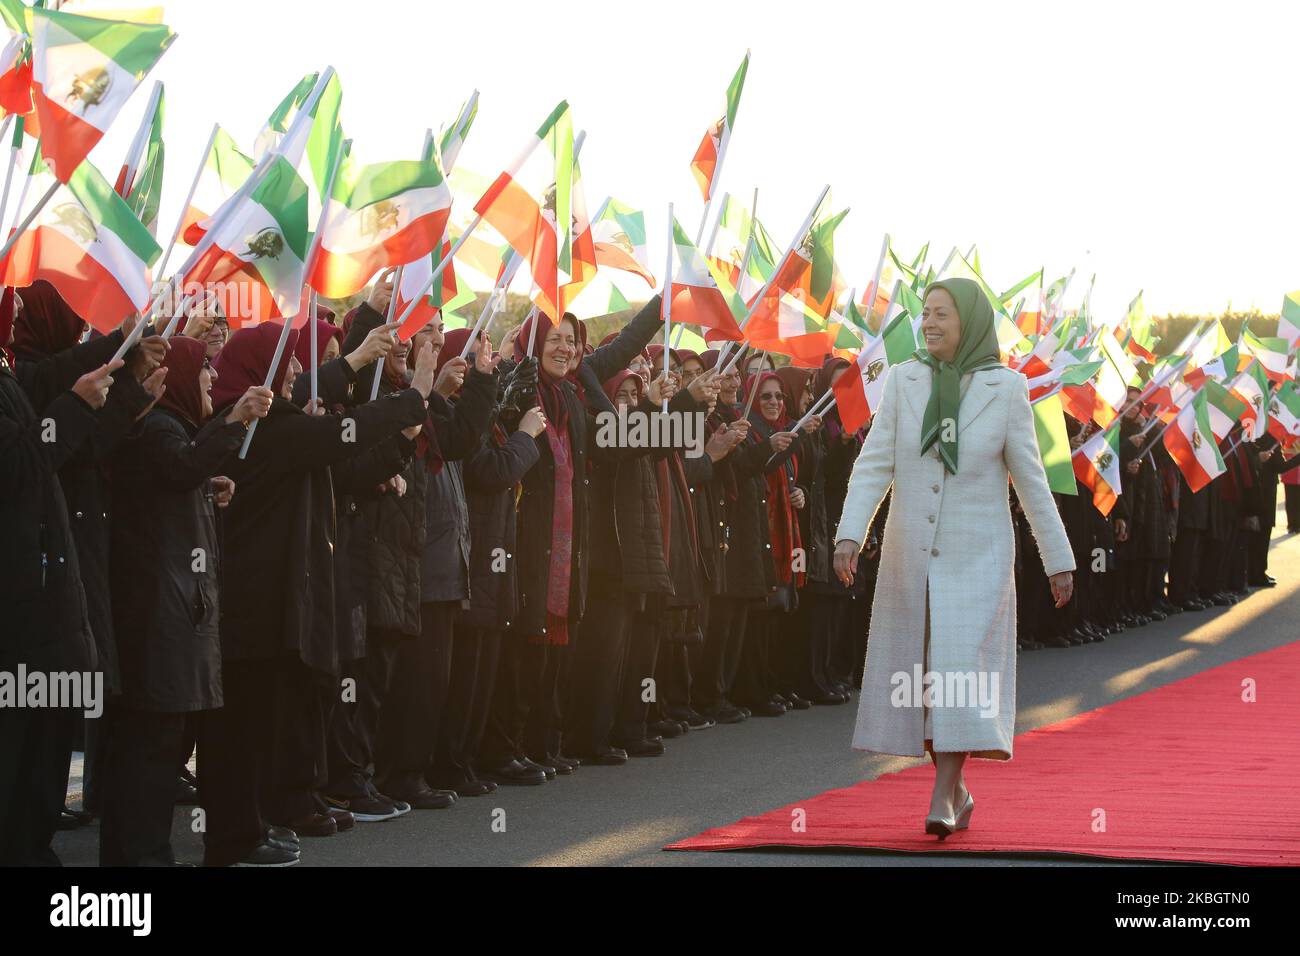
{"x": 97, "y": 735}
{"x": 35, "y": 750}
{"x": 755, "y": 682}
{"x": 642, "y": 656}
{"x": 299, "y": 755}
{"x": 1257, "y": 554}
{"x": 489, "y": 656}
{"x": 836, "y": 667}
{"x": 598, "y": 670}
{"x": 720, "y": 655}
{"x": 1212, "y": 570}
{"x": 411, "y": 718}
{"x": 521, "y": 671}
{"x": 473, "y": 672}
{"x": 1184, "y": 562}
{"x": 139, "y": 777}
{"x": 1292, "y": 493}
{"x": 374, "y": 683}
{"x": 346, "y": 755}
{"x": 237, "y": 752}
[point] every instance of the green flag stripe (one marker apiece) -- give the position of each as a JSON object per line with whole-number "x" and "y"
{"x": 110, "y": 210}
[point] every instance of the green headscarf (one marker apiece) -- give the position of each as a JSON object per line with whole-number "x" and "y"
{"x": 977, "y": 349}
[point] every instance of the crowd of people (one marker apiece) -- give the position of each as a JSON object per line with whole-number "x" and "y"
{"x": 390, "y": 605}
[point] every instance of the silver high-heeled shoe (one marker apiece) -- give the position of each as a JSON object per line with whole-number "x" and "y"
{"x": 940, "y": 826}
{"x": 962, "y": 817}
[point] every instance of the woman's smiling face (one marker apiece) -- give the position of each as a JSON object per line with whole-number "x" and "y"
{"x": 771, "y": 400}
{"x": 941, "y": 325}
{"x": 559, "y": 349}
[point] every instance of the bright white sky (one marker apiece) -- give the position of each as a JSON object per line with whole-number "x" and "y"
{"x": 1151, "y": 143}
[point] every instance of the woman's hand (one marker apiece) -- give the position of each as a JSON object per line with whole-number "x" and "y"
{"x": 533, "y": 422}
{"x": 425, "y": 362}
{"x": 797, "y": 499}
{"x": 223, "y": 489}
{"x": 1062, "y": 587}
{"x": 485, "y": 360}
{"x": 92, "y": 388}
{"x": 846, "y": 561}
{"x": 254, "y": 403}
{"x": 378, "y": 343}
{"x": 451, "y": 376}
{"x": 780, "y": 441}
{"x": 662, "y": 389}
{"x": 813, "y": 423}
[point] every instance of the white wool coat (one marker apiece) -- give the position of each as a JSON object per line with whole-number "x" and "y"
{"x": 954, "y": 532}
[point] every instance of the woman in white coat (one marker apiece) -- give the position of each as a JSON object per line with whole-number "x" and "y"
{"x": 941, "y": 661}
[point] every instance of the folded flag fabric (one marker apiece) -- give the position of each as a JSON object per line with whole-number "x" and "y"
{"x": 699, "y": 296}
{"x": 83, "y": 70}
{"x": 620, "y": 241}
{"x": 1284, "y": 414}
{"x": 858, "y": 395}
{"x": 1273, "y": 352}
{"x": 1054, "y": 444}
{"x": 140, "y": 180}
{"x": 708, "y": 157}
{"x": 1253, "y": 388}
{"x": 89, "y": 245}
{"x": 224, "y": 170}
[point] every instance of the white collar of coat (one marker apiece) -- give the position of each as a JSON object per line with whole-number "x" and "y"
{"x": 984, "y": 387}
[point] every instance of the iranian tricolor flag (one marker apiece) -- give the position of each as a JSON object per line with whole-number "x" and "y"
{"x": 381, "y": 215}
{"x": 453, "y": 137}
{"x": 699, "y": 297}
{"x": 316, "y": 135}
{"x": 1223, "y": 409}
{"x": 16, "y": 68}
{"x": 1220, "y": 368}
{"x": 1190, "y": 442}
{"x": 1284, "y": 414}
{"x": 858, "y": 396}
{"x": 1274, "y": 353}
{"x": 578, "y": 260}
{"x": 620, "y": 243}
{"x": 1029, "y": 290}
{"x": 83, "y": 70}
{"x": 89, "y": 245}
{"x": 604, "y": 298}
{"x": 139, "y": 181}
{"x": 1252, "y": 387}
{"x": 1096, "y": 464}
{"x": 1054, "y": 444}
{"x": 1054, "y": 297}
{"x": 261, "y": 245}
{"x": 1142, "y": 338}
{"x": 1061, "y": 377}
{"x": 529, "y": 204}
{"x": 1103, "y": 396}
{"x": 1288, "y": 325}
{"x": 807, "y": 272}
{"x": 447, "y": 293}
{"x": 708, "y": 157}
{"x": 224, "y": 170}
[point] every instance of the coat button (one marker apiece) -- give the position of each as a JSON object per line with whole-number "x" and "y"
{"x": 934, "y": 552}
{"x": 79, "y": 516}
{"x": 931, "y": 519}
{"x": 935, "y": 489}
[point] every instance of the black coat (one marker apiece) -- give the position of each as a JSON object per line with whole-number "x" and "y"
{"x": 165, "y": 596}
{"x": 45, "y": 621}
{"x": 1148, "y": 532}
{"x": 279, "y": 529}
{"x": 741, "y": 500}
{"x": 492, "y": 475}
{"x": 85, "y": 480}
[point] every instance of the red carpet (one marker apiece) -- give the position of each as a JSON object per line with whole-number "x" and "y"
{"x": 1188, "y": 771}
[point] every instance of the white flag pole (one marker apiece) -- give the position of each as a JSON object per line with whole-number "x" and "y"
{"x": 315, "y": 362}
{"x": 749, "y": 404}
{"x": 668, "y": 299}
{"x": 309, "y": 264}
{"x": 494, "y": 301}
{"x": 14, "y": 151}
{"x": 875, "y": 281}
{"x": 189, "y": 197}
{"x": 392, "y": 310}
{"x": 27, "y": 220}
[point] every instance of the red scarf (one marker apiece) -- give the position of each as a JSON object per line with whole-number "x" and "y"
{"x": 245, "y": 359}
{"x": 184, "y": 361}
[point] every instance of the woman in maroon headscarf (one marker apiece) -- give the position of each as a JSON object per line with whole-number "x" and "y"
{"x": 552, "y": 531}
{"x": 277, "y": 620}
{"x": 165, "y": 558}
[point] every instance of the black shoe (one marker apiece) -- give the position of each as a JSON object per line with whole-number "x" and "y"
{"x": 607, "y": 757}
{"x": 797, "y": 702}
{"x": 561, "y": 764}
{"x": 728, "y": 714}
{"x": 365, "y": 809}
{"x": 468, "y": 788}
{"x": 769, "y": 709}
{"x": 666, "y": 728}
{"x": 426, "y": 798}
{"x": 828, "y": 699}
{"x": 1168, "y": 607}
{"x": 551, "y": 772}
{"x": 283, "y": 835}
{"x": 1223, "y": 600}
{"x": 745, "y": 710}
{"x": 697, "y": 721}
{"x": 1077, "y": 636}
{"x": 268, "y": 854}
{"x": 651, "y": 747}
{"x": 516, "y": 774}
{"x": 1157, "y": 615}
{"x": 1055, "y": 640}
